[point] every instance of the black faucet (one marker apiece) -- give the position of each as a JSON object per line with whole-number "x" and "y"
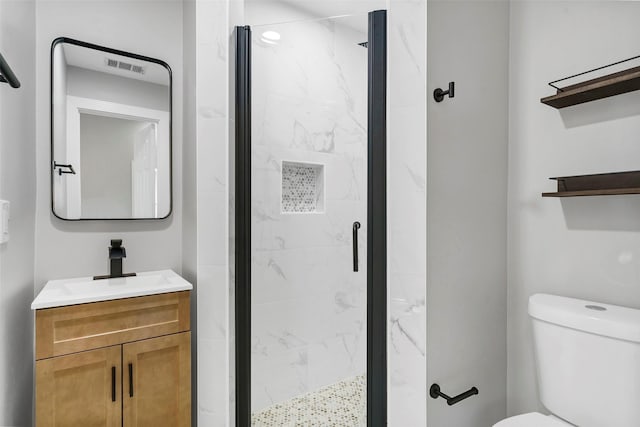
{"x": 116, "y": 253}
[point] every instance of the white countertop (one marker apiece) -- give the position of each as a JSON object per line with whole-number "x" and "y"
{"x": 58, "y": 293}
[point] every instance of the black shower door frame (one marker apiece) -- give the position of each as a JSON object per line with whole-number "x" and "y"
{"x": 376, "y": 223}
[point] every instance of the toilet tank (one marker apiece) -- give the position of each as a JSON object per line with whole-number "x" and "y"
{"x": 588, "y": 360}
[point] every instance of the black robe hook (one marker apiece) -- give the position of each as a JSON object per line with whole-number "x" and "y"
{"x": 439, "y": 94}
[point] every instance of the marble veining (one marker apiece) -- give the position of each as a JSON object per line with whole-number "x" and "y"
{"x": 407, "y": 214}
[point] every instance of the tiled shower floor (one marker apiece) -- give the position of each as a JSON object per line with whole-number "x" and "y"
{"x": 340, "y": 404}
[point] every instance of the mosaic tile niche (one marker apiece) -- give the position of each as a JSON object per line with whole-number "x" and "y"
{"x": 302, "y": 187}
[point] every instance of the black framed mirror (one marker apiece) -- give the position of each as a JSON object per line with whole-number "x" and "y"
{"x": 111, "y": 134}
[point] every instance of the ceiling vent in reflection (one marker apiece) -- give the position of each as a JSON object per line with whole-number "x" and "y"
{"x": 127, "y": 66}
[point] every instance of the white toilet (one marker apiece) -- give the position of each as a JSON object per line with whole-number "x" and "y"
{"x": 588, "y": 364}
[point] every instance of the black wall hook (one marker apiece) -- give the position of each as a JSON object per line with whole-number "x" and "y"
{"x": 435, "y": 392}
{"x": 439, "y": 94}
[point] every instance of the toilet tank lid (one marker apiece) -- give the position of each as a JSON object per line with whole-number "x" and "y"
{"x": 589, "y": 316}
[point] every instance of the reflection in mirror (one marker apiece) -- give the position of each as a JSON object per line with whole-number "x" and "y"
{"x": 111, "y": 133}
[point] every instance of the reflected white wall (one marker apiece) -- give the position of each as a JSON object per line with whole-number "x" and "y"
{"x": 105, "y": 155}
{"x": 59, "y": 106}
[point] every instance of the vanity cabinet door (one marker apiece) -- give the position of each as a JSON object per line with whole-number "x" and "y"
{"x": 81, "y": 389}
{"x": 156, "y": 388}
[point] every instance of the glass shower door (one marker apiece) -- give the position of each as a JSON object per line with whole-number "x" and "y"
{"x": 309, "y": 223}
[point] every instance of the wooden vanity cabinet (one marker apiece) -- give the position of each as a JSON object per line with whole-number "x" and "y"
{"x": 157, "y": 384}
{"x": 89, "y": 380}
{"x": 115, "y": 363}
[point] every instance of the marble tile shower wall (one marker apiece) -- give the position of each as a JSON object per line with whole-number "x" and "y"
{"x": 407, "y": 212}
{"x": 309, "y": 307}
{"x": 209, "y": 29}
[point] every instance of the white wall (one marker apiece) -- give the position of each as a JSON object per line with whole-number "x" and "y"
{"x": 467, "y": 171}
{"x": 18, "y": 185}
{"x": 580, "y": 247}
{"x": 151, "y": 28}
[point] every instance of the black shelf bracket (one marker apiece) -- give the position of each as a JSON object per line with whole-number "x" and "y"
{"x": 435, "y": 392}
{"x": 560, "y": 89}
{"x": 439, "y": 94}
{"x": 7, "y": 75}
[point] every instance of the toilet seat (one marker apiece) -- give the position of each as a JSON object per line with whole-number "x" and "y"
{"x": 532, "y": 419}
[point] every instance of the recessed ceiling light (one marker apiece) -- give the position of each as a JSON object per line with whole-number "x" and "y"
{"x": 271, "y": 37}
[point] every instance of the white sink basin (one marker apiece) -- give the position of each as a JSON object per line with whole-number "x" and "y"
{"x": 58, "y": 293}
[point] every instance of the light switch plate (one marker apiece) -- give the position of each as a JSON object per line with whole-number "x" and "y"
{"x": 4, "y": 221}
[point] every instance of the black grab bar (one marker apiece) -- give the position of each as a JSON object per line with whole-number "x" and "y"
{"x": 7, "y": 75}
{"x": 435, "y": 392}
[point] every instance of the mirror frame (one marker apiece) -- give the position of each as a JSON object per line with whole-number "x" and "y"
{"x": 51, "y": 125}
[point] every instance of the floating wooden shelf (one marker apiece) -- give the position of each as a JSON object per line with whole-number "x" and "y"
{"x": 591, "y": 90}
{"x": 603, "y": 184}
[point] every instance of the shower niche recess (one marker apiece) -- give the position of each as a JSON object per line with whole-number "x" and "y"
{"x": 302, "y": 188}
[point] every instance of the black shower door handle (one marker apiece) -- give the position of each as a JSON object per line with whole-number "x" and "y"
{"x": 356, "y": 227}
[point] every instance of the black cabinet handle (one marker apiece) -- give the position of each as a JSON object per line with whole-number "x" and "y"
{"x": 435, "y": 392}
{"x": 356, "y": 227}
{"x": 130, "y": 379}
{"x": 113, "y": 383}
